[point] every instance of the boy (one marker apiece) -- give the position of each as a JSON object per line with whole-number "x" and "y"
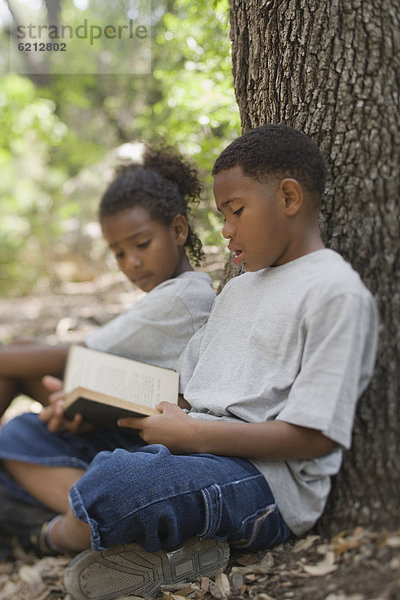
{"x": 272, "y": 380}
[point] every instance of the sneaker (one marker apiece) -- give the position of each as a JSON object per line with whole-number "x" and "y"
{"x": 23, "y": 523}
{"x": 6, "y": 549}
{"x": 128, "y": 569}
{"x": 38, "y": 542}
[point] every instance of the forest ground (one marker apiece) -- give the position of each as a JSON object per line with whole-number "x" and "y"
{"x": 352, "y": 565}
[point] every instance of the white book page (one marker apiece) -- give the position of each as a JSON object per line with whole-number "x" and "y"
{"x": 127, "y": 379}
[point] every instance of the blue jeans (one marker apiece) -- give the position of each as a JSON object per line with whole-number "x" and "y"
{"x": 145, "y": 494}
{"x": 159, "y": 499}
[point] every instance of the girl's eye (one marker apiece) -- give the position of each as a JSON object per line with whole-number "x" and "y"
{"x": 238, "y": 212}
{"x": 119, "y": 255}
{"x": 144, "y": 244}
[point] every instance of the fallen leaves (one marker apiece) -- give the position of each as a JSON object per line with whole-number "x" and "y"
{"x": 305, "y": 543}
{"x": 393, "y": 541}
{"x": 31, "y": 578}
{"x": 325, "y": 566}
{"x": 343, "y": 568}
{"x": 354, "y": 565}
{"x": 37, "y": 580}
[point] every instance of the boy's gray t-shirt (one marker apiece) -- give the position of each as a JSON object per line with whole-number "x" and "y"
{"x": 157, "y": 327}
{"x": 295, "y": 343}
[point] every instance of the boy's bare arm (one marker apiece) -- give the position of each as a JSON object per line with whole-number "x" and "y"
{"x": 274, "y": 440}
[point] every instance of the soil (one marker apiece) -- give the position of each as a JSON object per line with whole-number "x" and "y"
{"x": 353, "y": 565}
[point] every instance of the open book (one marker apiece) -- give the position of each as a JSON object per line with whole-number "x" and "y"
{"x": 104, "y": 387}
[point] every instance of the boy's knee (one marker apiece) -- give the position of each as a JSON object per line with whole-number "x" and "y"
{"x": 147, "y": 462}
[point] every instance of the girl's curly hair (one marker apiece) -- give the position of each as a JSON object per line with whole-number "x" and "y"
{"x": 164, "y": 184}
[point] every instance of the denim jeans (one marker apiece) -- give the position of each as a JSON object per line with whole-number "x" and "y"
{"x": 27, "y": 439}
{"x": 133, "y": 492}
{"x": 159, "y": 499}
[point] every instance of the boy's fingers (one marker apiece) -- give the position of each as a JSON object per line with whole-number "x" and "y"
{"x": 132, "y": 422}
{"x": 166, "y": 406}
{"x": 161, "y": 406}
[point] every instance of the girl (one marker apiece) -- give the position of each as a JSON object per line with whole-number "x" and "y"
{"x": 144, "y": 219}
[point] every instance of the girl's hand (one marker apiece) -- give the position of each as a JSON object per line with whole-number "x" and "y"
{"x": 53, "y": 414}
{"x": 173, "y": 428}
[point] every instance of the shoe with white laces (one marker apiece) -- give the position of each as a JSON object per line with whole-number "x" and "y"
{"x": 130, "y": 570}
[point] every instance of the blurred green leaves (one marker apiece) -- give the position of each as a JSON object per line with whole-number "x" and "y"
{"x": 54, "y": 131}
{"x": 29, "y": 130}
{"x": 197, "y": 107}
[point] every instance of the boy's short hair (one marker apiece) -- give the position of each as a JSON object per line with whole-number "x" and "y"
{"x": 276, "y": 150}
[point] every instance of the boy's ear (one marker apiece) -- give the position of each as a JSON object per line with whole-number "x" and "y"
{"x": 291, "y": 193}
{"x": 180, "y": 229}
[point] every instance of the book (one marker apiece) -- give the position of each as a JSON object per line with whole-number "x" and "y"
{"x": 105, "y": 387}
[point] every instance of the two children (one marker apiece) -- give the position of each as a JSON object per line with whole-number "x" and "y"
{"x": 272, "y": 381}
{"x": 144, "y": 219}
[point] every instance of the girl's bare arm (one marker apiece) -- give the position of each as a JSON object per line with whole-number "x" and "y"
{"x": 27, "y": 360}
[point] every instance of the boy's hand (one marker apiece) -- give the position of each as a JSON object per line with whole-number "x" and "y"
{"x": 173, "y": 428}
{"x": 53, "y": 414}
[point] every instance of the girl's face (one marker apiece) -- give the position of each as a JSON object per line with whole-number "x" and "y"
{"x": 148, "y": 252}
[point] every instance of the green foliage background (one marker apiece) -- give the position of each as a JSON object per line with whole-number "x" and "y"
{"x": 56, "y": 132}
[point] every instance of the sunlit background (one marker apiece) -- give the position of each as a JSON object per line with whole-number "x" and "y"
{"x": 61, "y": 135}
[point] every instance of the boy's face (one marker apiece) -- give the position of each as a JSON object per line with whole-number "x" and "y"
{"x": 255, "y": 220}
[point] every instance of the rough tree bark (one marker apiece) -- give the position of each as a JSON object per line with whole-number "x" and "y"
{"x": 332, "y": 69}
{"x": 37, "y": 72}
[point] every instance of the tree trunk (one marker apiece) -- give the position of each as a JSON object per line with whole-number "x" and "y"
{"x": 332, "y": 69}
{"x": 36, "y": 72}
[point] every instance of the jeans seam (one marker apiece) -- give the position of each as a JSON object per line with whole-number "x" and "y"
{"x": 212, "y": 497}
{"x": 257, "y": 524}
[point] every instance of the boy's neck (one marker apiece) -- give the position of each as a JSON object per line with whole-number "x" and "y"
{"x": 308, "y": 241}
{"x": 312, "y": 243}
